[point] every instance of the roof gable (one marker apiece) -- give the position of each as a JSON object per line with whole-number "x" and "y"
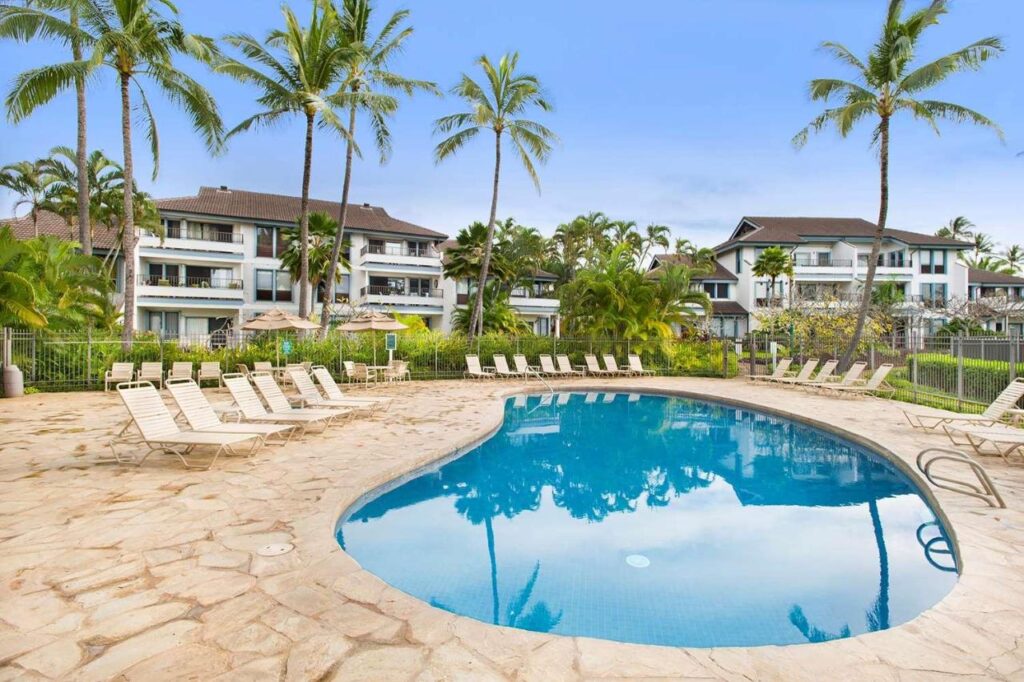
{"x": 799, "y": 230}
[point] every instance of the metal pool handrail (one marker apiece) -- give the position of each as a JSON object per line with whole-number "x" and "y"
{"x": 986, "y": 491}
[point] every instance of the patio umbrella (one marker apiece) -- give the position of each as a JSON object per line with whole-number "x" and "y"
{"x": 277, "y": 320}
{"x": 372, "y": 321}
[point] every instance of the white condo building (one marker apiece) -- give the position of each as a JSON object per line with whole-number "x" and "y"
{"x": 218, "y": 265}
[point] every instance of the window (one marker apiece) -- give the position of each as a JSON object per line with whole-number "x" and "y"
{"x": 716, "y": 290}
{"x": 933, "y": 294}
{"x": 265, "y": 242}
{"x": 172, "y": 228}
{"x": 739, "y": 261}
{"x": 273, "y": 285}
{"x": 933, "y": 262}
{"x": 163, "y": 323}
{"x": 419, "y": 287}
{"x": 418, "y": 249}
{"x": 542, "y": 326}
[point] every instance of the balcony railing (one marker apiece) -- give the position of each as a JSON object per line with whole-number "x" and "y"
{"x": 193, "y": 282}
{"x": 522, "y": 292}
{"x": 204, "y": 235}
{"x": 382, "y": 290}
{"x": 908, "y": 263}
{"x": 822, "y": 263}
{"x": 393, "y": 250}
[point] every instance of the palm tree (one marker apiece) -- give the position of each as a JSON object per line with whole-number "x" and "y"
{"x": 989, "y": 263}
{"x": 773, "y": 263}
{"x": 959, "y": 228}
{"x": 322, "y": 232}
{"x": 887, "y": 85}
{"x": 1013, "y": 256}
{"x": 26, "y": 23}
{"x": 62, "y": 170}
{"x": 17, "y": 294}
{"x": 983, "y": 244}
{"x": 366, "y": 88}
{"x": 655, "y": 235}
{"x": 296, "y": 82}
{"x": 28, "y": 180}
{"x": 134, "y": 39}
{"x": 497, "y": 106}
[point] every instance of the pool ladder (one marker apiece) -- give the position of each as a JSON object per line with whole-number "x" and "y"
{"x": 984, "y": 489}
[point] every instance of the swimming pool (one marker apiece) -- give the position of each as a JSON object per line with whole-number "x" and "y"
{"x": 659, "y": 520}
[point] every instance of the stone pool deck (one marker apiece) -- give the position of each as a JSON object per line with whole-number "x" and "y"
{"x": 118, "y": 572}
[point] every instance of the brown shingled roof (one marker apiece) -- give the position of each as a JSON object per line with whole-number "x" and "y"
{"x": 797, "y": 230}
{"x": 53, "y": 225}
{"x": 259, "y": 206}
{"x": 727, "y": 308}
{"x": 678, "y": 259}
{"x": 976, "y": 276}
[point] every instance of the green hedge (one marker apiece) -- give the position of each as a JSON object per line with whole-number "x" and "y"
{"x": 78, "y": 362}
{"x": 983, "y": 380}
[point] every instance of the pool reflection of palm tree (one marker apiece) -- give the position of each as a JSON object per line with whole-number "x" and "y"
{"x": 878, "y": 616}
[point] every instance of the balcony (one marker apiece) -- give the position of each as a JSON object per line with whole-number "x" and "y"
{"x": 194, "y": 239}
{"x": 389, "y": 295}
{"x": 209, "y": 288}
{"x": 391, "y": 258}
{"x": 806, "y": 262}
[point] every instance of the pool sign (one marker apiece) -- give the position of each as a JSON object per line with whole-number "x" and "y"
{"x": 286, "y": 347}
{"x": 391, "y": 341}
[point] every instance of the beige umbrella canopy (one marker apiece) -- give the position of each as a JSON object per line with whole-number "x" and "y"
{"x": 372, "y": 321}
{"x": 278, "y": 320}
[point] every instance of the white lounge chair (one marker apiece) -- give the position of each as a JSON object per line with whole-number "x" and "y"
{"x": 475, "y": 371}
{"x": 876, "y": 384}
{"x": 253, "y": 411}
{"x": 152, "y": 372}
{"x": 210, "y": 371}
{"x": 636, "y": 366}
{"x": 1003, "y": 405}
{"x": 566, "y": 368}
{"x": 119, "y": 373}
{"x": 988, "y": 440}
{"x": 594, "y": 368}
{"x": 805, "y": 373}
{"x": 334, "y": 392}
{"x": 278, "y": 402}
{"x": 852, "y": 375}
{"x": 547, "y": 366}
{"x": 501, "y": 368}
{"x": 780, "y": 371}
{"x": 524, "y": 367}
{"x": 363, "y": 374}
{"x": 201, "y": 416}
{"x": 262, "y": 366}
{"x": 823, "y": 376}
{"x": 612, "y": 365}
{"x": 161, "y": 434}
{"x": 310, "y": 396}
{"x": 179, "y": 370}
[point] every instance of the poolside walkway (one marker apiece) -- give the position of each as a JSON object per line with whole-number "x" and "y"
{"x": 154, "y": 573}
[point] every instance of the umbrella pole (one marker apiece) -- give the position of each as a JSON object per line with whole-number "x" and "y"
{"x": 277, "y": 349}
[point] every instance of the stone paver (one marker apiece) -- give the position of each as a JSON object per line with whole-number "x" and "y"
{"x": 152, "y": 573}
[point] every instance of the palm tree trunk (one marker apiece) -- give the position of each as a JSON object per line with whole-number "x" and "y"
{"x": 332, "y": 272}
{"x": 81, "y": 152}
{"x": 307, "y": 166}
{"x": 881, "y": 613}
{"x": 128, "y": 239}
{"x": 476, "y": 320}
{"x": 495, "y": 605}
{"x": 876, "y": 245}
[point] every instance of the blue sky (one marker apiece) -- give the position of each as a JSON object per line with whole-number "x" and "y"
{"x": 678, "y": 112}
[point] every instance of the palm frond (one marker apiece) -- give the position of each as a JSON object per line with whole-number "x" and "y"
{"x": 151, "y": 131}
{"x": 36, "y": 87}
{"x": 450, "y": 145}
{"x": 968, "y": 58}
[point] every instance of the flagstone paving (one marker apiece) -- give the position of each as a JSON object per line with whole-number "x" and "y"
{"x": 153, "y": 572}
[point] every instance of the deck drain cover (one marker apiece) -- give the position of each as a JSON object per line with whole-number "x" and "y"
{"x": 638, "y": 561}
{"x": 276, "y": 549}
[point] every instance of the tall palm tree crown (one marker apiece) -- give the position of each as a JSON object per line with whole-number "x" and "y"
{"x": 497, "y": 105}
{"x": 136, "y": 41}
{"x": 45, "y": 20}
{"x": 888, "y": 83}
{"x": 958, "y": 228}
{"x": 294, "y": 68}
{"x": 368, "y": 86}
{"x": 773, "y": 263}
{"x": 29, "y": 181}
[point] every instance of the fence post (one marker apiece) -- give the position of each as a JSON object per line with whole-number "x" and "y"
{"x": 753, "y": 355}
{"x": 872, "y": 358}
{"x": 725, "y": 359}
{"x": 436, "y": 368}
{"x": 1013, "y": 356}
{"x": 88, "y": 357}
{"x": 959, "y": 372}
{"x": 913, "y": 374}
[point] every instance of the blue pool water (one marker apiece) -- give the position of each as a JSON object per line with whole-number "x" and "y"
{"x": 660, "y": 520}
